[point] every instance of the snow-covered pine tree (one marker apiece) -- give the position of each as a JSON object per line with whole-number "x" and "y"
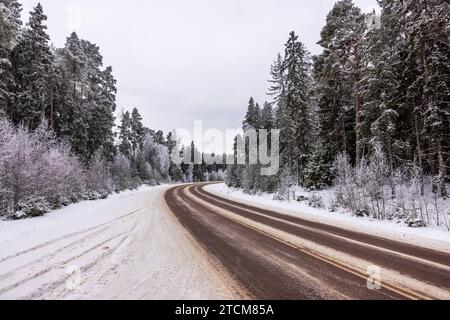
{"x": 336, "y": 121}
{"x": 294, "y": 114}
{"x": 71, "y": 118}
{"x": 197, "y": 173}
{"x": 10, "y": 25}
{"x": 98, "y": 102}
{"x": 268, "y": 122}
{"x": 252, "y": 122}
{"x": 159, "y": 137}
{"x": 340, "y": 70}
{"x": 252, "y": 119}
{"x": 105, "y": 113}
{"x": 175, "y": 170}
{"x": 430, "y": 47}
{"x": 125, "y": 136}
{"x": 32, "y": 64}
{"x": 277, "y": 81}
{"x": 137, "y": 131}
{"x": 406, "y": 91}
{"x": 235, "y": 170}
{"x": 384, "y": 112}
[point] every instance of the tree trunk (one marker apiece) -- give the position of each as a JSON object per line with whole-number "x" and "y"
{"x": 357, "y": 104}
{"x": 52, "y": 104}
{"x": 419, "y": 154}
{"x": 442, "y": 171}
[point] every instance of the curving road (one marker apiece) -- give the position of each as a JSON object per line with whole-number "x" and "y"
{"x": 276, "y": 256}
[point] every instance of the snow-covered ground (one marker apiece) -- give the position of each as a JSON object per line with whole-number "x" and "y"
{"x": 125, "y": 247}
{"x": 432, "y": 237}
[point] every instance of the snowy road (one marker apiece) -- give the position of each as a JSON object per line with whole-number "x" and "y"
{"x": 187, "y": 243}
{"x": 277, "y": 256}
{"x": 125, "y": 247}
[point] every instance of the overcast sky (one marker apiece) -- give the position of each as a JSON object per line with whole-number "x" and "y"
{"x": 179, "y": 61}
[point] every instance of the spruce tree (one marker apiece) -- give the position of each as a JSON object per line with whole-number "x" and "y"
{"x": 294, "y": 114}
{"x": 175, "y": 170}
{"x": 340, "y": 72}
{"x": 98, "y": 102}
{"x": 125, "y": 136}
{"x": 137, "y": 131}
{"x": 10, "y": 25}
{"x": 32, "y": 63}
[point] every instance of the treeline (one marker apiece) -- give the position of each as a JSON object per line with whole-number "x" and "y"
{"x": 147, "y": 156}
{"x": 58, "y": 141}
{"x": 383, "y": 86}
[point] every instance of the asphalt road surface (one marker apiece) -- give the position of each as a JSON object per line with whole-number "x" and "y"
{"x": 272, "y": 255}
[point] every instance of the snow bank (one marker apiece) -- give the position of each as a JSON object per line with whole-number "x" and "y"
{"x": 432, "y": 237}
{"x": 128, "y": 246}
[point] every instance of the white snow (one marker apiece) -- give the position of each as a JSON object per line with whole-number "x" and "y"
{"x": 432, "y": 237}
{"x": 128, "y": 246}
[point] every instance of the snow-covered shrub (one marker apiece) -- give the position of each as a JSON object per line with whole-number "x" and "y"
{"x": 93, "y": 195}
{"x": 315, "y": 201}
{"x": 215, "y": 176}
{"x": 143, "y": 168}
{"x": 333, "y": 206}
{"x": 375, "y": 178}
{"x": 34, "y": 206}
{"x": 416, "y": 223}
{"x": 347, "y": 193}
{"x": 98, "y": 178}
{"x": 157, "y": 156}
{"x": 34, "y": 166}
{"x": 220, "y": 175}
{"x": 122, "y": 174}
{"x": 286, "y": 188}
{"x": 279, "y": 196}
{"x": 405, "y": 194}
{"x": 361, "y": 189}
{"x": 58, "y": 201}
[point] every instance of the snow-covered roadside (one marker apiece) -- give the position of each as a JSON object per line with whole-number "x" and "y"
{"x": 432, "y": 237}
{"x": 21, "y": 234}
{"x": 125, "y": 247}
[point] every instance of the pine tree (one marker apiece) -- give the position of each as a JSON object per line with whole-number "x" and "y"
{"x": 159, "y": 137}
{"x": 175, "y": 170}
{"x": 340, "y": 70}
{"x": 294, "y": 114}
{"x": 317, "y": 172}
{"x": 105, "y": 113}
{"x": 125, "y": 136}
{"x": 137, "y": 131}
{"x": 32, "y": 63}
{"x": 409, "y": 56}
{"x": 98, "y": 102}
{"x": 84, "y": 99}
{"x": 197, "y": 173}
{"x": 268, "y": 122}
{"x": 70, "y": 119}
{"x": 252, "y": 122}
{"x": 253, "y": 117}
{"x": 235, "y": 170}
{"x": 431, "y": 48}
{"x": 10, "y": 25}
{"x": 277, "y": 81}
